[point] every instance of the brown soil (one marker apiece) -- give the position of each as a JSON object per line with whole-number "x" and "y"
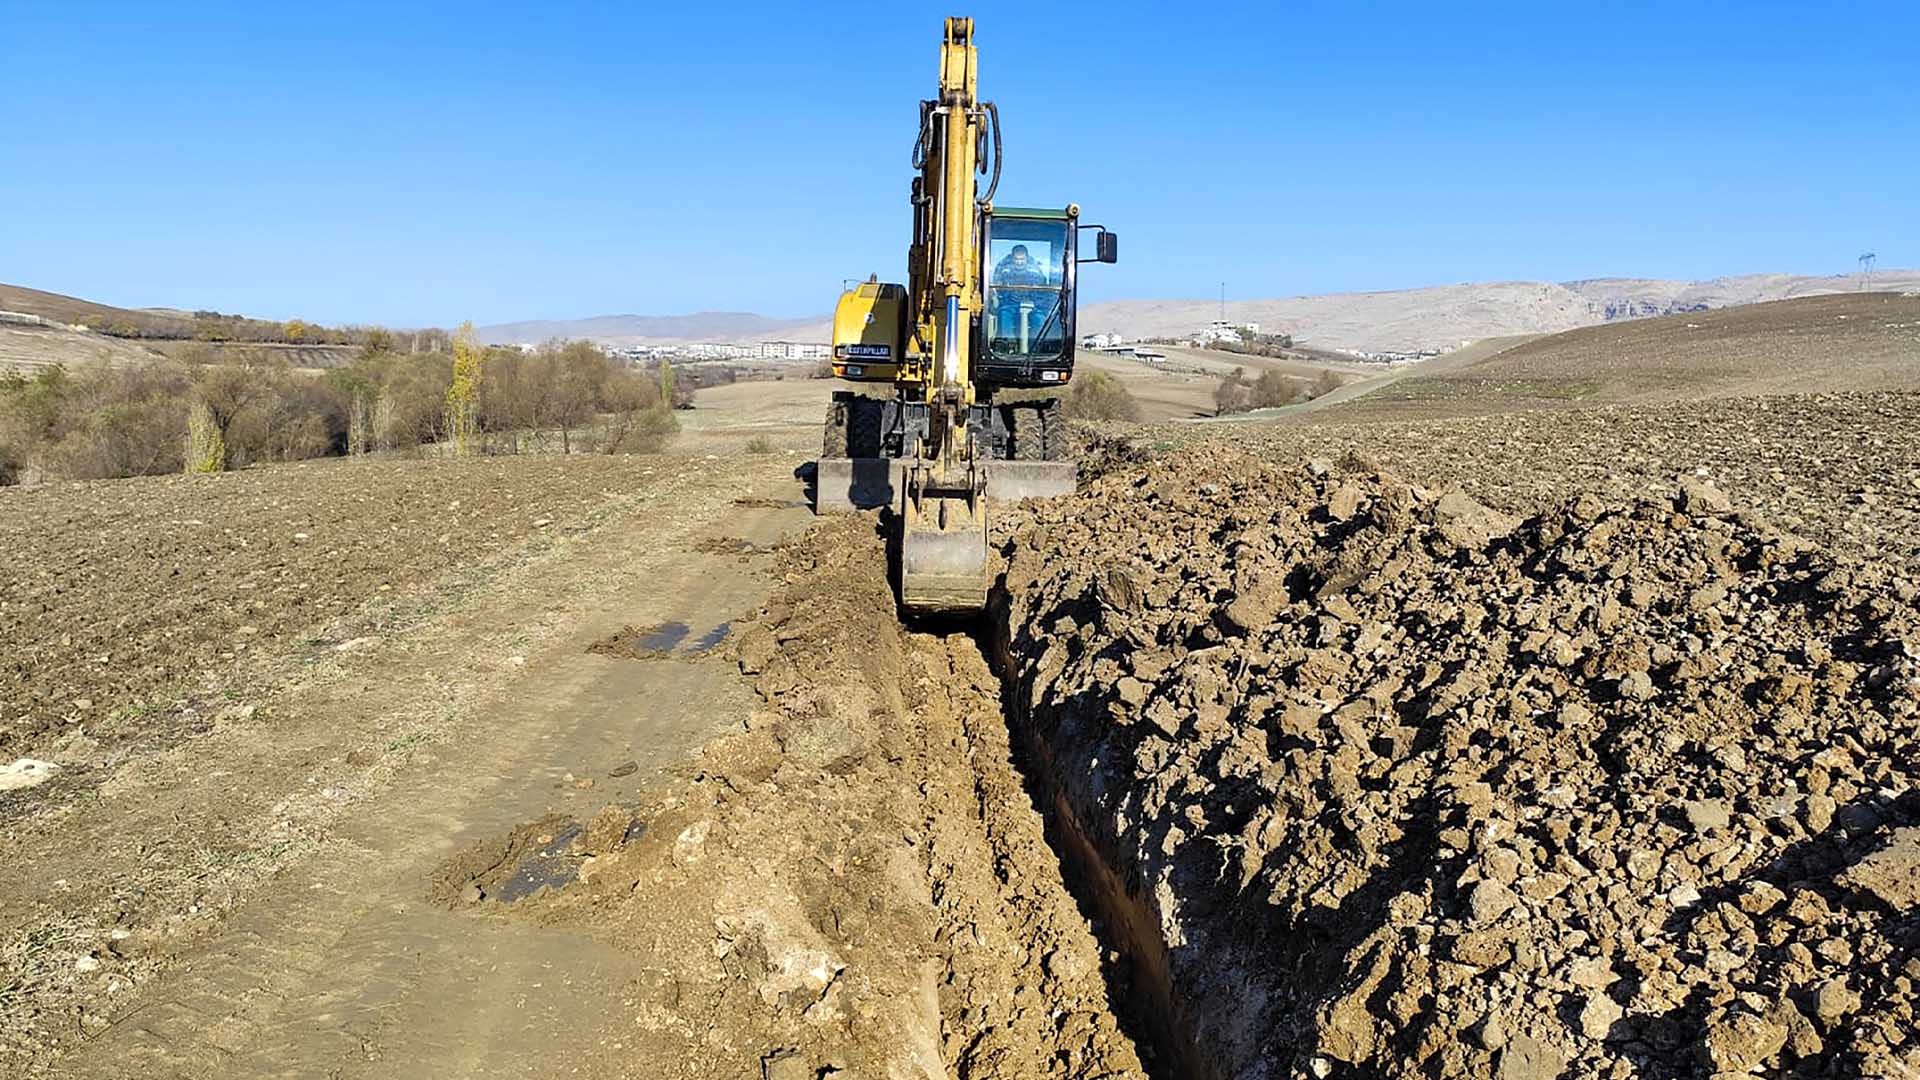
{"x": 857, "y": 881}
{"x": 129, "y": 605}
{"x": 1842, "y": 469}
{"x": 1411, "y": 787}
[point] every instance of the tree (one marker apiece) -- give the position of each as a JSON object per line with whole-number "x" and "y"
{"x": 206, "y": 448}
{"x": 666, "y": 383}
{"x": 379, "y": 340}
{"x": 580, "y": 370}
{"x": 1271, "y": 390}
{"x": 1095, "y": 395}
{"x": 228, "y": 391}
{"x": 463, "y": 394}
{"x": 1231, "y": 395}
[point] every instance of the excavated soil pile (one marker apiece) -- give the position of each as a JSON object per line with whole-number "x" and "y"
{"x": 1388, "y": 784}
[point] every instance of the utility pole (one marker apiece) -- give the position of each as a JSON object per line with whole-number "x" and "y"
{"x": 1223, "y": 301}
{"x": 1866, "y": 271}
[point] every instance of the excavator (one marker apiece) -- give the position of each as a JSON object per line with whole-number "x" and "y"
{"x": 970, "y": 344}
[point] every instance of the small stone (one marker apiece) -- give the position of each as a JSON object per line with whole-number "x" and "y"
{"x": 1682, "y": 896}
{"x": 1527, "y": 1058}
{"x": 1702, "y": 499}
{"x": 1599, "y": 1016}
{"x": 1593, "y": 973}
{"x": 25, "y": 773}
{"x": 1643, "y": 864}
{"x": 1488, "y": 901}
{"x": 1803, "y": 1039}
{"x": 1834, "y": 1002}
{"x": 1892, "y": 873}
{"x": 1637, "y": 686}
{"x": 1741, "y": 1041}
{"x": 1345, "y": 503}
{"x": 1502, "y": 865}
{"x": 1758, "y": 898}
{"x": 86, "y": 965}
{"x": 625, "y": 768}
{"x": 1491, "y": 1033}
{"x": 1706, "y": 815}
{"x": 1131, "y": 690}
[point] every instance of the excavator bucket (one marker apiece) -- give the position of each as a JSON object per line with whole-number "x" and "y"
{"x": 943, "y": 546}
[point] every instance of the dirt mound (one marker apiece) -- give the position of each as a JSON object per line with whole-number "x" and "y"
{"x": 1402, "y": 786}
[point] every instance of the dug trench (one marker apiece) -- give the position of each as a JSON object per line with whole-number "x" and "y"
{"x": 1297, "y": 770}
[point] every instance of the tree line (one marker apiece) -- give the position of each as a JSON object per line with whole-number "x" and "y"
{"x": 214, "y": 326}
{"x": 192, "y": 414}
{"x": 1236, "y": 393}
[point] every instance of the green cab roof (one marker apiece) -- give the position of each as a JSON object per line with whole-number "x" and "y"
{"x": 1031, "y": 212}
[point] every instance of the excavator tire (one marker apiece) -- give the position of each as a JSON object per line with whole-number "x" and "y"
{"x": 1053, "y": 431}
{"x": 865, "y": 416}
{"x": 1039, "y": 430}
{"x": 833, "y": 436}
{"x": 1029, "y": 431}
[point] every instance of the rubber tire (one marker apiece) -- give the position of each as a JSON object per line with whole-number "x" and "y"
{"x": 864, "y": 418}
{"x": 833, "y": 436}
{"x": 1029, "y": 431}
{"x": 1053, "y": 430}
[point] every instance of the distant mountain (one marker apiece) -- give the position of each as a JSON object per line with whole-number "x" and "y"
{"x": 1446, "y": 315}
{"x": 737, "y": 326}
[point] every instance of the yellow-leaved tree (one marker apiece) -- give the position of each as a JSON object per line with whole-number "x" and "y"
{"x": 206, "y": 449}
{"x": 463, "y": 396}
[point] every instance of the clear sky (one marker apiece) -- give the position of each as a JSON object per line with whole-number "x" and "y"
{"x": 416, "y": 165}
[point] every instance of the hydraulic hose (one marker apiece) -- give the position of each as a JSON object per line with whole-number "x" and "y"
{"x": 993, "y": 122}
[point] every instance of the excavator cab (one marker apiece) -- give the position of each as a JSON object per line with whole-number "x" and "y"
{"x": 1027, "y": 325}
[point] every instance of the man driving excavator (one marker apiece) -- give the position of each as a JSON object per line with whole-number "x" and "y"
{"x": 1017, "y": 279}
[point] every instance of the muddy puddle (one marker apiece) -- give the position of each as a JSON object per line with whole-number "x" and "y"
{"x": 661, "y": 640}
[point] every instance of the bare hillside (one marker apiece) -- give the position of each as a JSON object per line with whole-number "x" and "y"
{"x": 28, "y": 346}
{"x": 1845, "y": 342}
{"x": 54, "y": 306}
{"x": 1443, "y": 316}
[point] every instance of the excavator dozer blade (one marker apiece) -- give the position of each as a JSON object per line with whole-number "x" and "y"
{"x": 943, "y": 553}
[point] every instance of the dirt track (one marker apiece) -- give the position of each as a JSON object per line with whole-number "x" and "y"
{"x": 251, "y": 894}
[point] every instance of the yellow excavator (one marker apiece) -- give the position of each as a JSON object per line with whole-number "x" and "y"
{"x": 988, "y": 306}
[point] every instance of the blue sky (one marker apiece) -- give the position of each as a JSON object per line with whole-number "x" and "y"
{"x": 425, "y": 164}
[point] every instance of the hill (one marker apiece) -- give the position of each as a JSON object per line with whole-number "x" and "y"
{"x": 1443, "y": 316}
{"x": 1843, "y": 342}
{"x": 58, "y": 308}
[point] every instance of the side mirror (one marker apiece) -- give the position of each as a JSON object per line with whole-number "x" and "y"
{"x": 1106, "y": 247}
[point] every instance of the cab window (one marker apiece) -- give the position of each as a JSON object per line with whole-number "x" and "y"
{"x": 1026, "y": 267}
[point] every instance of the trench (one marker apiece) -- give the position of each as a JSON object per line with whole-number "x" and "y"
{"x": 1140, "y": 987}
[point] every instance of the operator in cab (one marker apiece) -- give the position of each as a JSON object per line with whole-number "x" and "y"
{"x": 1022, "y": 297}
{"x": 1018, "y": 268}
